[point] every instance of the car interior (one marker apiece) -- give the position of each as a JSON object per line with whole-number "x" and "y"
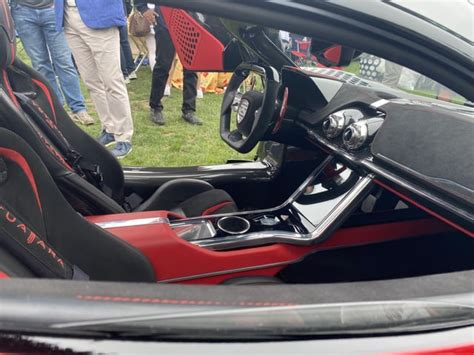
{"x": 307, "y": 210}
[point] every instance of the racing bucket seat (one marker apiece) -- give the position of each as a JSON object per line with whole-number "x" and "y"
{"x": 87, "y": 174}
{"x": 41, "y": 235}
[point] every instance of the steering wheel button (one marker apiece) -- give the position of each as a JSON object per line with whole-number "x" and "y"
{"x": 243, "y": 107}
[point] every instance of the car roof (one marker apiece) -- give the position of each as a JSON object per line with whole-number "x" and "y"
{"x": 449, "y": 23}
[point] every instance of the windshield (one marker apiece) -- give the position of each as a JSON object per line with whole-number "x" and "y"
{"x": 373, "y": 70}
{"x": 455, "y": 16}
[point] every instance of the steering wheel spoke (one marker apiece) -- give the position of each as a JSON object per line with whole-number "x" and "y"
{"x": 235, "y": 136}
{"x": 227, "y": 102}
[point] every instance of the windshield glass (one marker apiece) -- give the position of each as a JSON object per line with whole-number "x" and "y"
{"x": 455, "y": 16}
{"x": 373, "y": 71}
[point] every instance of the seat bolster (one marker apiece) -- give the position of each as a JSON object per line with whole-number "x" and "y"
{"x": 12, "y": 267}
{"x": 171, "y": 194}
{"x": 85, "y": 197}
{"x": 208, "y": 203}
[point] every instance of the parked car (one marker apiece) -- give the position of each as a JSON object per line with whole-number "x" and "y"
{"x": 352, "y": 230}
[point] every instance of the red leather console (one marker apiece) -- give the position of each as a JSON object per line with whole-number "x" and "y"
{"x": 176, "y": 260}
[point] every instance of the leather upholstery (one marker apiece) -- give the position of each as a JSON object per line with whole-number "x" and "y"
{"x": 81, "y": 193}
{"x": 189, "y": 197}
{"x": 174, "y": 192}
{"x": 7, "y": 36}
{"x": 43, "y": 209}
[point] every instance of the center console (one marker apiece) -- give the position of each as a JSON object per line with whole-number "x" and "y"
{"x": 214, "y": 249}
{"x": 317, "y": 208}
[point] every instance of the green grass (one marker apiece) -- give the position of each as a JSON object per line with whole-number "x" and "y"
{"x": 353, "y": 67}
{"x": 177, "y": 143}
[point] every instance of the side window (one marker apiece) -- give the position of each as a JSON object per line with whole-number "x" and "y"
{"x": 177, "y": 143}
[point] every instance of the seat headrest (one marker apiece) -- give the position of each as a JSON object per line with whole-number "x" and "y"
{"x": 7, "y": 36}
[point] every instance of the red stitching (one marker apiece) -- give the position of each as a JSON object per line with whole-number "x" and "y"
{"x": 181, "y": 302}
{"x": 48, "y": 95}
{"x": 20, "y": 160}
{"x": 8, "y": 20}
{"x": 215, "y": 208}
{"x": 9, "y": 89}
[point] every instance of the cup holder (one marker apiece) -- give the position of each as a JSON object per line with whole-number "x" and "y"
{"x": 233, "y": 225}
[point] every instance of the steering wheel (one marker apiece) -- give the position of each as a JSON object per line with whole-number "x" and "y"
{"x": 255, "y": 110}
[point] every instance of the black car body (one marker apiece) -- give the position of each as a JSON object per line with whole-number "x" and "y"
{"x": 356, "y": 219}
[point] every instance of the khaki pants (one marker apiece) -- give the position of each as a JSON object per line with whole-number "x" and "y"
{"x": 97, "y": 55}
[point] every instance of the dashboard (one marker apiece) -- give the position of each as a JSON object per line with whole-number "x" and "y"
{"x": 419, "y": 149}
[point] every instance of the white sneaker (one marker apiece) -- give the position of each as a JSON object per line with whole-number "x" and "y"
{"x": 127, "y": 80}
{"x": 133, "y": 75}
{"x": 167, "y": 90}
{"x": 82, "y": 118}
{"x": 200, "y": 94}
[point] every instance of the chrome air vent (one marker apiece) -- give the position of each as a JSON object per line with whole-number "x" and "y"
{"x": 336, "y": 122}
{"x": 361, "y": 133}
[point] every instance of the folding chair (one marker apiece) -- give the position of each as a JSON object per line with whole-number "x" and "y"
{"x": 141, "y": 49}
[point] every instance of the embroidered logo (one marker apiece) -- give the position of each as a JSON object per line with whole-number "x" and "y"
{"x": 27, "y": 237}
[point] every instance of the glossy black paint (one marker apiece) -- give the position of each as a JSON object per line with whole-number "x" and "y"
{"x": 424, "y": 196}
{"x": 43, "y": 296}
{"x": 267, "y": 162}
{"x": 249, "y": 180}
{"x": 263, "y": 42}
{"x": 85, "y": 309}
{"x": 217, "y": 174}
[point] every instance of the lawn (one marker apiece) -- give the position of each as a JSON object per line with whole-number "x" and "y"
{"x": 177, "y": 143}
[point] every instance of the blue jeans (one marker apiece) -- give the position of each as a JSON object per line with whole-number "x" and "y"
{"x": 126, "y": 58}
{"x": 49, "y": 52}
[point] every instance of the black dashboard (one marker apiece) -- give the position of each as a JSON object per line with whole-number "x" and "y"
{"x": 420, "y": 149}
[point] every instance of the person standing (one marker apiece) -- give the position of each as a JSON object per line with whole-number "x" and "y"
{"x": 165, "y": 53}
{"x": 392, "y": 74}
{"x": 95, "y": 44}
{"x": 126, "y": 58}
{"x": 150, "y": 42}
{"x": 49, "y": 53}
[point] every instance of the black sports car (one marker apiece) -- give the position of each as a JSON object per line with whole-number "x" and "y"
{"x": 351, "y": 230}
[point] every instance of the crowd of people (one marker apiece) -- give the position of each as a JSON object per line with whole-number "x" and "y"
{"x": 66, "y": 38}
{"x": 66, "y": 41}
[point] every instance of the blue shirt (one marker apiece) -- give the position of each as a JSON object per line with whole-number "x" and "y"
{"x": 96, "y": 14}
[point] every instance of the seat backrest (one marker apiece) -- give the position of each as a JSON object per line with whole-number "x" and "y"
{"x": 16, "y": 77}
{"x": 7, "y": 47}
{"x": 44, "y": 236}
{"x": 7, "y": 36}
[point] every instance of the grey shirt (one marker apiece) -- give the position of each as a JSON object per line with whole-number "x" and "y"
{"x": 37, "y": 4}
